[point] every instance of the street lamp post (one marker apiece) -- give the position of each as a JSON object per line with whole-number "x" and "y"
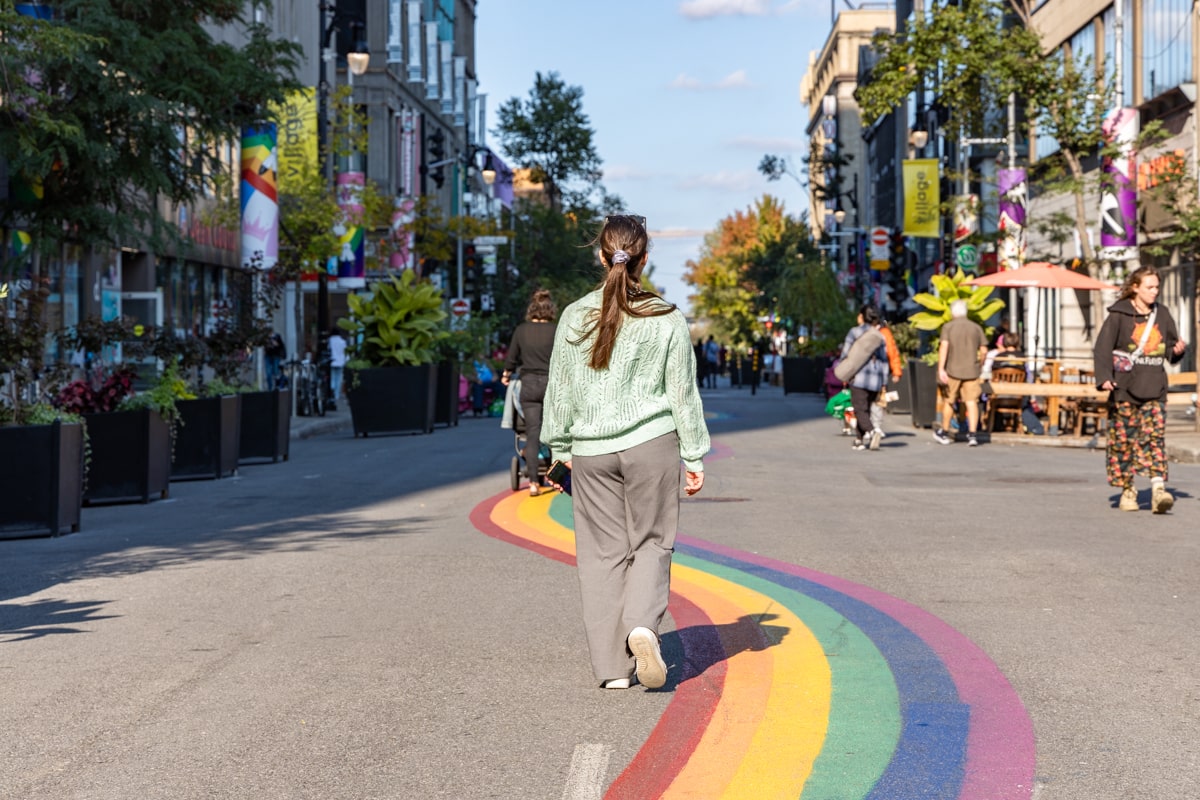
{"x": 330, "y": 20}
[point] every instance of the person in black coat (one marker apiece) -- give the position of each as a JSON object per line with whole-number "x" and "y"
{"x": 1142, "y": 334}
{"x": 529, "y": 352}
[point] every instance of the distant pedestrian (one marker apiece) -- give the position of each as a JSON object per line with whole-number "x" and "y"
{"x": 1132, "y": 349}
{"x": 622, "y": 410}
{"x": 895, "y": 367}
{"x": 712, "y": 362}
{"x": 529, "y": 353}
{"x": 960, "y": 363}
{"x": 865, "y": 367}
{"x": 337, "y": 365}
{"x": 274, "y": 354}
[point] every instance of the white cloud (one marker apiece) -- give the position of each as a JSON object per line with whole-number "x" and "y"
{"x": 724, "y": 181}
{"x": 710, "y": 9}
{"x": 706, "y": 9}
{"x": 735, "y": 80}
{"x": 768, "y": 144}
{"x": 738, "y": 79}
{"x": 678, "y": 233}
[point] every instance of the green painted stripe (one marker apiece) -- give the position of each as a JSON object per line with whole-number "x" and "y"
{"x": 864, "y": 714}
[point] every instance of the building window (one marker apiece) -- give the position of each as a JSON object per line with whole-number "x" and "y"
{"x": 1166, "y": 45}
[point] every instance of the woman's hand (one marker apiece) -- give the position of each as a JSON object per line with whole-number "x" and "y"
{"x": 693, "y": 482}
{"x": 1107, "y": 386}
{"x": 504, "y": 377}
{"x": 1180, "y": 346}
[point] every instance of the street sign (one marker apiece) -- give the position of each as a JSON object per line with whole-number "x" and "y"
{"x": 493, "y": 240}
{"x": 460, "y": 306}
{"x": 880, "y": 239}
{"x": 967, "y": 256}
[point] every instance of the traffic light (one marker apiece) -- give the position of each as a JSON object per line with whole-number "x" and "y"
{"x": 436, "y": 148}
{"x": 897, "y": 253}
{"x": 471, "y": 269}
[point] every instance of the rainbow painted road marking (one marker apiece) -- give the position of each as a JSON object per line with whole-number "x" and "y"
{"x": 796, "y": 684}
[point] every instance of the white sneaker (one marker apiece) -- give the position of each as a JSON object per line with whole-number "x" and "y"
{"x": 875, "y": 437}
{"x": 651, "y": 669}
{"x": 617, "y": 683}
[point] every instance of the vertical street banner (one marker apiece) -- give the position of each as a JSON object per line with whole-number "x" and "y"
{"x": 402, "y": 256}
{"x": 296, "y": 121}
{"x": 395, "y": 42}
{"x": 352, "y": 269}
{"x": 460, "y": 91}
{"x": 414, "y": 42}
{"x": 447, "y": 66}
{"x": 1118, "y": 187}
{"x": 432, "y": 61}
{"x": 1013, "y": 188}
{"x": 260, "y": 197}
{"x": 922, "y": 198}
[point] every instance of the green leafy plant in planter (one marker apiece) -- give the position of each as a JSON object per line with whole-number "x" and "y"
{"x": 398, "y": 324}
{"x": 981, "y": 307}
{"x": 395, "y": 334}
{"x": 162, "y": 396}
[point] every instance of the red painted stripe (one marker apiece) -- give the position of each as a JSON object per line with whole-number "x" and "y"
{"x": 260, "y": 183}
{"x": 682, "y": 725}
{"x": 481, "y": 518}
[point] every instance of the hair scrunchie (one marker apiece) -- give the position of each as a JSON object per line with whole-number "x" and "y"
{"x": 620, "y": 257}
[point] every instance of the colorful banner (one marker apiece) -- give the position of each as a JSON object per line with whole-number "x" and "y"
{"x": 966, "y": 222}
{"x": 922, "y": 198}
{"x": 1118, "y": 187}
{"x": 351, "y": 235}
{"x": 297, "y": 136}
{"x": 1013, "y": 188}
{"x": 260, "y": 197}
{"x": 402, "y": 256}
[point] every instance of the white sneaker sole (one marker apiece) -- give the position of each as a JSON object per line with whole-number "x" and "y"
{"x": 651, "y": 669}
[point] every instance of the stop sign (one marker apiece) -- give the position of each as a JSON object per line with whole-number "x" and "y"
{"x": 460, "y": 306}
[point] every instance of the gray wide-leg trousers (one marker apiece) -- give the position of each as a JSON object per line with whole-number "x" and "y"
{"x": 626, "y": 516}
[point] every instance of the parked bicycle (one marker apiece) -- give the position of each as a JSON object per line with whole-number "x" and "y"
{"x": 308, "y": 392}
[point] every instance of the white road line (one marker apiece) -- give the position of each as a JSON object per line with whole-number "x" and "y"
{"x": 589, "y": 764}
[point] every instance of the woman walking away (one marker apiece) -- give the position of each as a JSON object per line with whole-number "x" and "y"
{"x": 1132, "y": 349}
{"x": 529, "y": 353}
{"x": 865, "y": 361}
{"x": 622, "y": 409}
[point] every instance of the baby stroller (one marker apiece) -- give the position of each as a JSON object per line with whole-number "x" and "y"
{"x": 512, "y": 412}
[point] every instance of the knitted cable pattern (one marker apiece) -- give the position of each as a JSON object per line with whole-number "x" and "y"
{"x": 648, "y": 390}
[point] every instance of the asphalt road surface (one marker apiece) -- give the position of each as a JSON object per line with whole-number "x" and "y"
{"x": 384, "y": 618}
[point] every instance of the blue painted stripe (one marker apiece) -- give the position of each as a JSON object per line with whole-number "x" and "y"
{"x": 931, "y": 754}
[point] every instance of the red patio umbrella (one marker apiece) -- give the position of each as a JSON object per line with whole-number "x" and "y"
{"x": 1040, "y": 275}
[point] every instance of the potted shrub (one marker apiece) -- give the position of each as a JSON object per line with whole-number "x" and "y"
{"x": 41, "y": 492}
{"x": 209, "y": 433}
{"x": 935, "y": 313}
{"x": 391, "y": 374}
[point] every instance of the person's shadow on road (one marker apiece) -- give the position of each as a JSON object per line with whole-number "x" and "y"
{"x": 691, "y": 651}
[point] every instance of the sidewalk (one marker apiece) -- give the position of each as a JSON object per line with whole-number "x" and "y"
{"x": 333, "y": 422}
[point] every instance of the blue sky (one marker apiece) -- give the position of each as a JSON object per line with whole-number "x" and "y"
{"x": 684, "y": 96}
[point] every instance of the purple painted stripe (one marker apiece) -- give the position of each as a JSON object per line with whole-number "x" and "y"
{"x": 1000, "y": 743}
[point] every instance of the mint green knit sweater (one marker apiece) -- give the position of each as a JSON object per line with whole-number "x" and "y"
{"x": 648, "y": 390}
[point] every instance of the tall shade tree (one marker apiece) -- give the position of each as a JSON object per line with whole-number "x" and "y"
{"x": 549, "y": 134}
{"x": 972, "y": 57}
{"x": 112, "y": 107}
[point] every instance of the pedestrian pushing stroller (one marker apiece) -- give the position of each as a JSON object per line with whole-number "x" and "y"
{"x": 513, "y": 418}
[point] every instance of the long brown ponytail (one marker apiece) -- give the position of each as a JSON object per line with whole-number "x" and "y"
{"x": 623, "y": 243}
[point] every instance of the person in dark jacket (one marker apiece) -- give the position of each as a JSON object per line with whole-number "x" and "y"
{"x": 1138, "y": 327}
{"x": 529, "y": 352}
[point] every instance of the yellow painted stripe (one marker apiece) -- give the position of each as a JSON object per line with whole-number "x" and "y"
{"x": 770, "y": 722}
{"x": 778, "y": 742}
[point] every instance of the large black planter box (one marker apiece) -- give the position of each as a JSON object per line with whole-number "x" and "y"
{"x": 206, "y": 443}
{"x": 392, "y": 399}
{"x": 803, "y": 374}
{"x": 130, "y": 457}
{"x": 266, "y": 426}
{"x": 923, "y": 388}
{"x": 446, "y": 409}
{"x": 41, "y": 479}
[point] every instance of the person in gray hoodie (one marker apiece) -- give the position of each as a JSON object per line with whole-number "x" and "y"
{"x": 1135, "y": 343}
